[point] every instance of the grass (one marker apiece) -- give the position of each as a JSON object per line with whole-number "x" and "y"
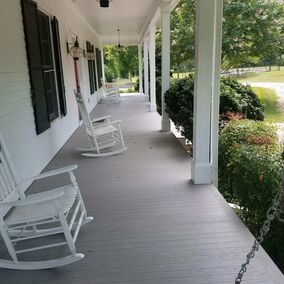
{"x": 181, "y": 75}
{"x": 268, "y": 77}
{"x": 127, "y": 91}
{"x": 269, "y": 98}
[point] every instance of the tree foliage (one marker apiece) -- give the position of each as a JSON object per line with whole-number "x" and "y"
{"x": 253, "y": 32}
{"x": 251, "y": 29}
{"x": 183, "y": 35}
{"x": 121, "y": 62}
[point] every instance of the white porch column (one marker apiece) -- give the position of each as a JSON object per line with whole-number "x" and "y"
{"x": 165, "y": 18}
{"x": 152, "y": 52}
{"x": 103, "y": 64}
{"x": 146, "y": 69}
{"x": 140, "y": 68}
{"x": 207, "y": 90}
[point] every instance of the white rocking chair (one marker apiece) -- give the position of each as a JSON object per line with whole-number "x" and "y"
{"x": 105, "y": 138}
{"x": 29, "y": 222}
{"x": 111, "y": 94}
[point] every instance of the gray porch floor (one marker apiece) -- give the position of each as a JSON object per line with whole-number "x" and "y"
{"x": 152, "y": 225}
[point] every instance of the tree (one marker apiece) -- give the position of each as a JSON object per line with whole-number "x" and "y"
{"x": 121, "y": 62}
{"x": 128, "y": 61}
{"x": 253, "y": 32}
{"x": 111, "y": 64}
{"x": 183, "y": 34}
{"x": 251, "y": 29}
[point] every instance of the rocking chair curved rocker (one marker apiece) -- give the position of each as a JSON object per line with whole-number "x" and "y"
{"x": 105, "y": 136}
{"x": 31, "y": 221}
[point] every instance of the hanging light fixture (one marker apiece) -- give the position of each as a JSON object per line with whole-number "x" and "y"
{"x": 75, "y": 51}
{"x": 118, "y": 40}
{"x": 104, "y": 3}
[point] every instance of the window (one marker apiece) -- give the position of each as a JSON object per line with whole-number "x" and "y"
{"x": 92, "y": 70}
{"x": 48, "y": 65}
{"x": 45, "y": 65}
{"x": 99, "y": 66}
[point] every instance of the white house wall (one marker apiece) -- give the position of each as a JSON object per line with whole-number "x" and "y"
{"x": 31, "y": 152}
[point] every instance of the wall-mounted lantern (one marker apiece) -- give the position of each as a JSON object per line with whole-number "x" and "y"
{"x": 75, "y": 50}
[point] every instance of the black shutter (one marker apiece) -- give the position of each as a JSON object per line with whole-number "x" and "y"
{"x": 48, "y": 65}
{"x": 59, "y": 67}
{"x": 30, "y": 21}
{"x": 94, "y": 68}
{"x": 91, "y": 69}
{"x": 99, "y": 66}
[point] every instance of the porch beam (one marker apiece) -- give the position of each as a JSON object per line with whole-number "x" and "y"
{"x": 140, "y": 68}
{"x": 165, "y": 21}
{"x": 206, "y": 90}
{"x": 152, "y": 53}
{"x": 146, "y": 69}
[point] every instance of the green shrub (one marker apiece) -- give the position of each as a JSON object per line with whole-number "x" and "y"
{"x": 250, "y": 164}
{"x": 136, "y": 85}
{"x": 245, "y": 145}
{"x": 159, "y": 94}
{"x": 234, "y": 98}
{"x": 179, "y": 105}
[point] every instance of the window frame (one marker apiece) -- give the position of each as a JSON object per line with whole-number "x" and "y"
{"x": 54, "y": 69}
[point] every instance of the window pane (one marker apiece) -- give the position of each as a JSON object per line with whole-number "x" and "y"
{"x": 50, "y": 89}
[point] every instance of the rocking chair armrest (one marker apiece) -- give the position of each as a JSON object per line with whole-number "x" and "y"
{"x": 59, "y": 171}
{"x": 107, "y": 124}
{"x": 27, "y": 201}
{"x": 101, "y": 118}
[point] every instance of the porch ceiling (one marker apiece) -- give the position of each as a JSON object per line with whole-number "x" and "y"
{"x": 130, "y": 16}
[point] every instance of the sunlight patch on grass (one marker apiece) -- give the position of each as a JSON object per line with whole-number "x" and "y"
{"x": 268, "y": 77}
{"x": 270, "y": 99}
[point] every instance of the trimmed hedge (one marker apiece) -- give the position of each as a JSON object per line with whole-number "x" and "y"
{"x": 237, "y": 98}
{"x": 179, "y": 105}
{"x": 250, "y": 158}
{"x": 249, "y": 161}
{"x": 159, "y": 94}
{"x": 234, "y": 98}
{"x": 250, "y": 166}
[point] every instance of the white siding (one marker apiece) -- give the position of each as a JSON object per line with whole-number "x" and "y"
{"x": 31, "y": 152}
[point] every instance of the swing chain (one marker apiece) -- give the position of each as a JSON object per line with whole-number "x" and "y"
{"x": 273, "y": 212}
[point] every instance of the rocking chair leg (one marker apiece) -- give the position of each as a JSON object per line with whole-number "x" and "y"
{"x": 9, "y": 244}
{"x": 67, "y": 234}
{"x": 121, "y": 137}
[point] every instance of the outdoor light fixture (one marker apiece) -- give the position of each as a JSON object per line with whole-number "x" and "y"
{"x": 75, "y": 51}
{"x": 118, "y": 40}
{"x": 104, "y": 3}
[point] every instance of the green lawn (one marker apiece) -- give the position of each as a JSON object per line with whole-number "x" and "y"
{"x": 271, "y": 77}
{"x": 269, "y": 98}
{"x": 181, "y": 75}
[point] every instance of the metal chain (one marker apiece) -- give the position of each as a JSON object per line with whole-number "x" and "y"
{"x": 273, "y": 212}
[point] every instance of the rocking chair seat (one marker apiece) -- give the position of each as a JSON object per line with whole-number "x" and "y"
{"x": 44, "y": 210}
{"x": 103, "y": 130}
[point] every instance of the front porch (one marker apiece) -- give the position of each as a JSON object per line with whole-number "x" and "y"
{"x": 152, "y": 225}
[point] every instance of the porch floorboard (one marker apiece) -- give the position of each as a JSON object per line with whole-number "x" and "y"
{"x": 152, "y": 225}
